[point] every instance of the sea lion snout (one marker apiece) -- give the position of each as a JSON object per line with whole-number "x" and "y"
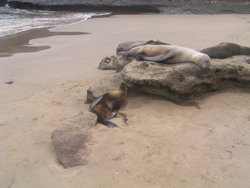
{"x": 204, "y": 62}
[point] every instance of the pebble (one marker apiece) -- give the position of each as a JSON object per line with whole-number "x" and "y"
{"x": 8, "y": 82}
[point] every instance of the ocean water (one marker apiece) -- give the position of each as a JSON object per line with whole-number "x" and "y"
{"x": 16, "y": 20}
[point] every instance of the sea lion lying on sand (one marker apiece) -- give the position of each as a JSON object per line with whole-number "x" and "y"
{"x": 224, "y": 50}
{"x": 169, "y": 54}
{"x": 107, "y": 105}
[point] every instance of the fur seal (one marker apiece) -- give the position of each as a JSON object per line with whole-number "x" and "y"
{"x": 107, "y": 105}
{"x": 170, "y": 54}
{"x": 224, "y": 50}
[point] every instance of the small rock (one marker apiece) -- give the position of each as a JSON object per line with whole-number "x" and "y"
{"x": 8, "y": 82}
{"x": 103, "y": 86}
{"x": 106, "y": 63}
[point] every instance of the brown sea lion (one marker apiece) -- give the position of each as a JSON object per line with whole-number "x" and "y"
{"x": 224, "y": 50}
{"x": 170, "y": 54}
{"x": 107, "y": 105}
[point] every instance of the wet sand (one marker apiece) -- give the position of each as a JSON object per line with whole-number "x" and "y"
{"x": 20, "y": 42}
{"x": 163, "y": 145}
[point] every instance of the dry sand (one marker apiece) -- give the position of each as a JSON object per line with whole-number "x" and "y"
{"x": 163, "y": 145}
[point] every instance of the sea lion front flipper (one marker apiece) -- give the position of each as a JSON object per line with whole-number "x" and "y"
{"x": 162, "y": 57}
{"x": 107, "y": 123}
{"x": 95, "y": 102}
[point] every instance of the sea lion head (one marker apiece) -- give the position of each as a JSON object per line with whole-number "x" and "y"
{"x": 204, "y": 61}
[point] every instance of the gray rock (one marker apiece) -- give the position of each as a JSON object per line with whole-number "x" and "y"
{"x": 8, "y": 82}
{"x": 70, "y": 140}
{"x": 180, "y": 82}
{"x": 119, "y": 62}
{"x": 108, "y": 84}
{"x": 113, "y": 63}
{"x": 106, "y": 63}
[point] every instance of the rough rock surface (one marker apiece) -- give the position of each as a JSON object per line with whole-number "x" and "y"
{"x": 70, "y": 140}
{"x": 113, "y": 63}
{"x": 106, "y": 63}
{"x": 184, "y": 81}
{"x": 120, "y": 62}
{"x": 170, "y": 6}
{"x": 70, "y": 146}
{"x": 103, "y": 86}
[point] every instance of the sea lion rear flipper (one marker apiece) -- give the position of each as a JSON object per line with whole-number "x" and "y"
{"x": 107, "y": 123}
{"x": 245, "y": 50}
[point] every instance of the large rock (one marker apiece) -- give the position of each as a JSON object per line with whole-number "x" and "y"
{"x": 170, "y": 6}
{"x": 70, "y": 146}
{"x": 70, "y": 140}
{"x": 180, "y": 82}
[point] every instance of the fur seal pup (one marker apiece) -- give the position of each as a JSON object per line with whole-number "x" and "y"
{"x": 224, "y": 50}
{"x": 170, "y": 54}
{"x": 107, "y": 105}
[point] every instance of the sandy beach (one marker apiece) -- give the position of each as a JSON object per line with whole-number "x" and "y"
{"x": 163, "y": 145}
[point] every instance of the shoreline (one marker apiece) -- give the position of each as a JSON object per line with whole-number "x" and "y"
{"x": 164, "y": 144}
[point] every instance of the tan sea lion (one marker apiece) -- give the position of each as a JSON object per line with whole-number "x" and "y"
{"x": 107, "y": 105}
{"x": 224, "y": 50}
{"x": 170, "y": 54}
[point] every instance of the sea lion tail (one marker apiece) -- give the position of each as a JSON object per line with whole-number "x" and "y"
{"x": 245, "y": 50}
{"x": 107, "y": 123}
